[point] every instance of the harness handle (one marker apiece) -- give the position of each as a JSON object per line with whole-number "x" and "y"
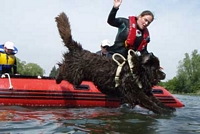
{"x": 117, "y": 54}
{"x": 129, "y": 59}
{"x": 120, "y": 65}
{"x": 119, "y": 68}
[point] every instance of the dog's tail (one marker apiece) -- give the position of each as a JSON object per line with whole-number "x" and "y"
{"x": 64, "y": 29}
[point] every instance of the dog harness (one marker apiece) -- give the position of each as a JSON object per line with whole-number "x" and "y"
{"x": 120, "y": 65}
{"x": 132, "y": 35}
{"x": 119, "y": 68}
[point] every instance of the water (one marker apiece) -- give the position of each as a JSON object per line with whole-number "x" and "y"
{"x": 23, "y": 120}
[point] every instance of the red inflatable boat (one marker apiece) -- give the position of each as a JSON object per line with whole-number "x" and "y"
{"x": 43, "y": 91}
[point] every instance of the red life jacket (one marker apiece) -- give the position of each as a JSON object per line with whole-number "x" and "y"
{"x": 132, "y": 35}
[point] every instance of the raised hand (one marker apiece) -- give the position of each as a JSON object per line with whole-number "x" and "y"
{"x": 117, "y": 3}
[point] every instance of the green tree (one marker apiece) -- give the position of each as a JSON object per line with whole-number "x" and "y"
{"x": 187, "y": 79}
{"x": 20, "y": 66}
{"x": 30, "y": 69}
{"x": 53, "y": 72}
{"x": 33, "y": 69}
{"x": 189, "y": 72}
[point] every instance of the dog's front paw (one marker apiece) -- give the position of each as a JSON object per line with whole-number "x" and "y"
{"x": 167, "y": 111}
{"x": 171, "y": 109}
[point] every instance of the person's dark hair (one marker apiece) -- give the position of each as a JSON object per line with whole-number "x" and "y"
{"x": 147, "y": 12}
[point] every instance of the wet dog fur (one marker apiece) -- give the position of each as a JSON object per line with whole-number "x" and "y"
{"x": 79, "y": 64}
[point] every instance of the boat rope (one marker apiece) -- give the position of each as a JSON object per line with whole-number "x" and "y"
{"x": 9, "y": 80}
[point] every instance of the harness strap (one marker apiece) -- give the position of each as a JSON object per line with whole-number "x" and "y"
{"x": 131, "y": 66}
{"x": 119, "y": 68}
{"x": 129, "y": 59}
{"x": 120, "y": 65}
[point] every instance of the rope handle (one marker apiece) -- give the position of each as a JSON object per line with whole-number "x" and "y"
{"x": 129, "y": 59}
{"x": 119, "y": 68}
{"x": 117, "y": 54}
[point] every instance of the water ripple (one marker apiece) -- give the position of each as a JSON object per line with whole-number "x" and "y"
{"x": 28, "y": 120}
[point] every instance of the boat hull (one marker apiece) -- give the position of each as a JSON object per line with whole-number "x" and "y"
{"x": 33, "y": 91}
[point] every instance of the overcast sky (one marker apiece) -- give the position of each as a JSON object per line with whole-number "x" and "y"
{"x": 31, "y": 26}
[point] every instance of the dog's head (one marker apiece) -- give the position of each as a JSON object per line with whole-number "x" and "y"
{"x": 147, "y": 67}
{"x": 152, "y": 64}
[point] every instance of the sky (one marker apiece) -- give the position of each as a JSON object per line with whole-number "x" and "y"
{"x": 31, "y": 26}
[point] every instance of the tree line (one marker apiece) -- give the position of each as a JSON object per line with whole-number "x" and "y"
{"x": 187, "y": 79}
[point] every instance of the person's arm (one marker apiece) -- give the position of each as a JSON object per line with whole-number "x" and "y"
{"x": 147, "y": 39}
{"x": 112, "y": 20}
{"x": 144, "y": 51}
{"x": 15, "y": 67}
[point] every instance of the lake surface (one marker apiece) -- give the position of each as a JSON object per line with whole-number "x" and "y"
{"x": 23, "y": 120}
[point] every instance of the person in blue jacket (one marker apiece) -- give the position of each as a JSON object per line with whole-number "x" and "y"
{"x": 8, "y": 62}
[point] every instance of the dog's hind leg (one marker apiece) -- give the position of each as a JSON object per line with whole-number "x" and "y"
{"x": 78, "y": 77}
{"x": 74, "y": 78}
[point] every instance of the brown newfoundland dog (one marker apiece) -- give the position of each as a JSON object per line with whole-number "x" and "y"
{"x": 130, "y": 79}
